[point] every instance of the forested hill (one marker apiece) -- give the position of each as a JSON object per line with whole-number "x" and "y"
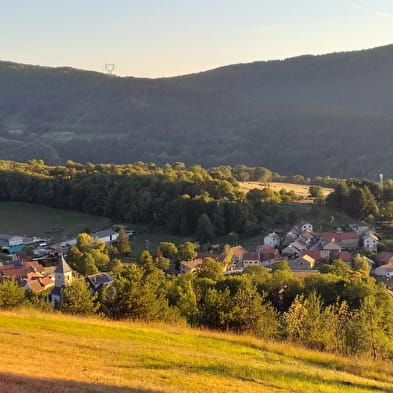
{"x": 314, "y": 115}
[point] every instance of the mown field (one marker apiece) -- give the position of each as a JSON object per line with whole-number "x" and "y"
{"x": 299, "y": 189}
{"x": 56, "y": 354}
{"x": 35, "y": 220}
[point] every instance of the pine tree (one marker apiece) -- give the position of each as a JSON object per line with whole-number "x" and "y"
{"x": 123, "y": 244}
{"x": 78, "y": 300}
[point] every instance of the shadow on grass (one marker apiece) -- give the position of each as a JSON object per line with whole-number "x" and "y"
{"x": 266, "y": 377}
{"x": 11, "y": 383}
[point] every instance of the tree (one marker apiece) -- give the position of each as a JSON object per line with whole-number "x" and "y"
{"x": 146, "y": 260}
{"x": 78, "y": 300}
{"x": 187, "y": 251}
{"x": 168, "y": 249}
{"x": 11, "y": 294}
{"x": 123, "y": 244}
{"x": 210, "y": 268}
{"x": 205, "y": 232}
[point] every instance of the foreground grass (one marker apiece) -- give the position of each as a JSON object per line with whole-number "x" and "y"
{"x": 51, "y": 353}
{"x": 36, "y": 220}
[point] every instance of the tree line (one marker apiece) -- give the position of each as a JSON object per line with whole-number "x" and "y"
{"x": 186, "y": 200}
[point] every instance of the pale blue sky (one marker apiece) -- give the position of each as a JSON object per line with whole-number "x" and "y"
{"x": 169, "y": 37}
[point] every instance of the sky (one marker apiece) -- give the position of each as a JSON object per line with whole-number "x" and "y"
{"x": 155, "y": 38}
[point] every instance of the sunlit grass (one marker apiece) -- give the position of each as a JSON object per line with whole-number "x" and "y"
{"x": 99, "y": 355}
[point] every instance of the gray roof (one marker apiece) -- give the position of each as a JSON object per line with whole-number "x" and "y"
{"x": 99, "y": 279}
{"x": 101, "y": 234}
{"x": 62, "y": 265}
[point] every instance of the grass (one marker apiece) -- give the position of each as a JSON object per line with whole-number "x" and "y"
{"x": 299, "y": 189}
{"x": 149, "y": 239}
{"x": 54, "y": 353}
{"x": 35, "y": 220}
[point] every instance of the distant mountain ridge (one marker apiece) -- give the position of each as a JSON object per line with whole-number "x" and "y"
{"x": 314, "y": 115}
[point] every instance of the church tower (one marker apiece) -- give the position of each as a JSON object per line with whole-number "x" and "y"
{"x": 63, "y": 278}
{"x": 63, "y": 273}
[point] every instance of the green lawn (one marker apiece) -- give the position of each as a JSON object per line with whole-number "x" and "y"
{"x": 35, "y": 220}
{"x": 146, "y": 239}
{"x": 53, "y": 353}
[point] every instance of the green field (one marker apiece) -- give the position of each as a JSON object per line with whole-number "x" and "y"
{"x": 35, "y": 220}
{"x": 53, "y": 353}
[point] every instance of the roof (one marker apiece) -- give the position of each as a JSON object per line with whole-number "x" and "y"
{"x": 308, "y": 259}
{"x": 5, "y": 236}
{"x": 99, "y": 279}
{"x": 349, "y": 235}
{"x": 40, "y": 284}
{"x": 238, "y": 251}
{"x": 251, "y": 256}
{"x": 273, "y": 234}
{"x": 104, "y": 233}
{"x": 62, "y": 265}
{"x": 34, "y": 265}
{"x": 384, "y": 257}
{"x": 191, "y": 264}
{"x": 329, "y": 236}
{"x": 372, "y": 235}
{"x": 315, "y": 254}
{"x": 218, "y": 257}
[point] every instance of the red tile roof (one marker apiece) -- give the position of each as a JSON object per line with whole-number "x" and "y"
{"x": 251, "y": 256}
{"x": 191, "y": 264}
{"x": 238, "y": 251}
{"x": 384, "y": 257}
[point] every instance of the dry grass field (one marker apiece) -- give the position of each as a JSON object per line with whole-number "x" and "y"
{"x": 55, "y": 354}
{"x": 299, "y": 189}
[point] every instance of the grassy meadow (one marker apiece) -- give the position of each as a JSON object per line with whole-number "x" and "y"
{"x": 299, "y": 189}
{"x": 53, "y": 353}
{"x": 36, "y": 220}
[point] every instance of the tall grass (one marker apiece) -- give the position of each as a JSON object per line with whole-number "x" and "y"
{"x": 67, "y": 354}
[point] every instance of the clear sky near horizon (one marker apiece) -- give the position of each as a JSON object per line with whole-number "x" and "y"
{"x": 154, "y": 38}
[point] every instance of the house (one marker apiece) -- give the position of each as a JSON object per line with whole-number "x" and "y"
{"x": 39, "y": 285}
{"x": 107, "y": 236}
{"x": 97, "y": 281}
{"x": 302, "y": 263}
{"x": 370, "y": 242}
{"x": 217, "y": 257}
{"x": 268, "y": 255}
{"x": 307, "y": 237}
{"x": 306, "y": 226}
{"x": 10, "y": 240}
{"x": 317, "y": 255}
{"x": 64, "y": 276}
{"x": 384, "y": 257}
{"x": 384, "y": 271}
{"x": 190, "y": 266}
{"x": 328, "y": 237}
{"x": 299, "y": 245}
{"x": 272, "y": 240}
{"x": 332, "y": 247}
{"x": 290, "y": 251}
{"x": 237, "y": 254}
{"x": 250, "y": 258}
{"x": 349, "y": 240}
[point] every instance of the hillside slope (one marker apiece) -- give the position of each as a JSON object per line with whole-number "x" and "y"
{"x": 49, "y": 353}
{"x": 314, "y": 115}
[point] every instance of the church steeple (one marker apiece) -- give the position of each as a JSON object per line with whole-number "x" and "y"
{"x": 63, "y": 273}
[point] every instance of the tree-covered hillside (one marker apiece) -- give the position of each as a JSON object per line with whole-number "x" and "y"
{"x": 316, "y": 115}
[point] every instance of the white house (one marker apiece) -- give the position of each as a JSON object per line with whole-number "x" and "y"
{"x": 272, "y": 240}
{"x": 190, "y": 266}
{"x": 251, "y": 258}
{"x": 370, "y": 242}
{"x": 384, "y": 271}
{"x": 306, "y": 226}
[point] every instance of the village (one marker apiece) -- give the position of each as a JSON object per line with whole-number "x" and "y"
{"x": 45, "y": 268}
